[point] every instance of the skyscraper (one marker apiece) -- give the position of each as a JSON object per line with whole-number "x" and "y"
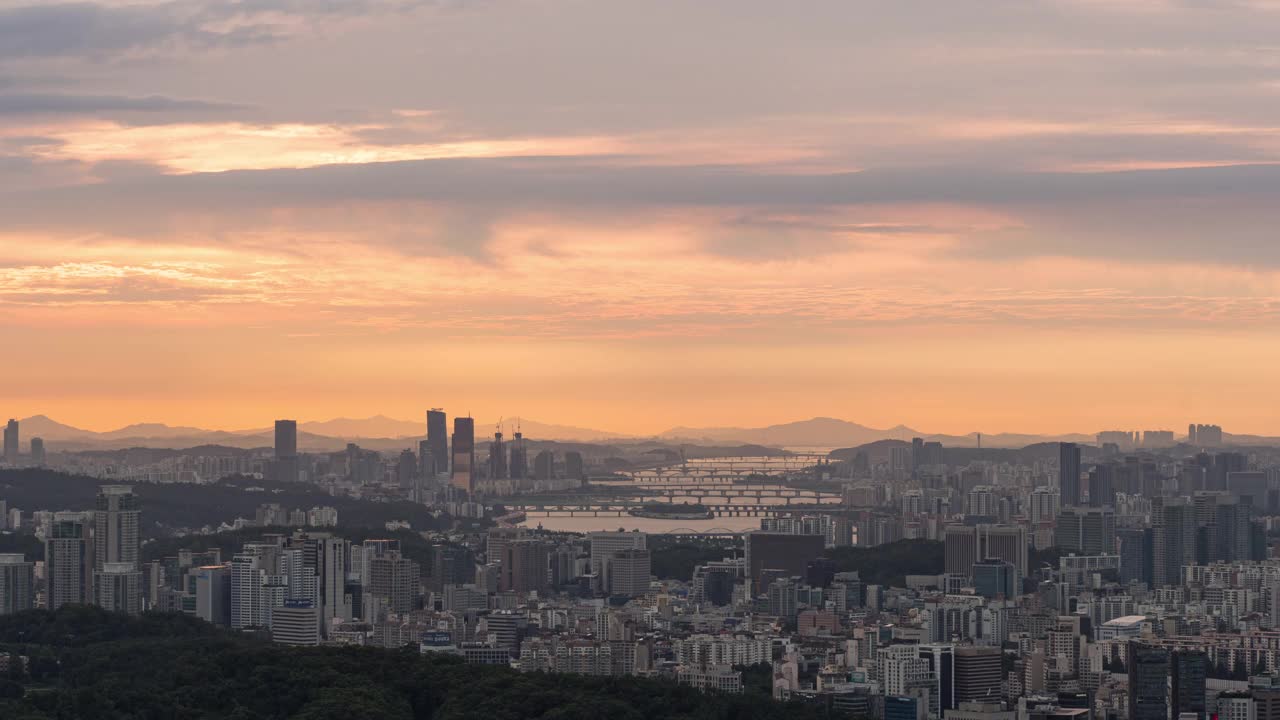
{"x": 1188, "y": 672}
{"x": 573, "y": 466}
{"x": 11, "y": 442}
{"x": 1086, "y": 531}
{"x": 1173, "y": 525}
{"x": 116, "y": 519}
{"x": 1102, "y": 485}
{"x": 68, "y": 558}
{"x": 519, "y": 458}
{"x": 393, "y": 580}
{"x": 438, "y": 439}
{"x": 286, "y": 451}
{"x": 497, "y": 457}
{"x": 628, "y": 572}
{"x": 37, "y": 452}
{"x": 1148, "y": 682}
{"x": 117, "y": 587}
{"x": 462, "y": 473}
{"x": 978, "y": 671}
{"x": 1069, "y": 474}
{"x": 17, "y": 583}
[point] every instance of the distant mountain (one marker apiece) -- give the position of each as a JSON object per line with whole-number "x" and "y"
{"x": 824, "y": 431}
{"x": 817, "y": 431}
{"x": 378, "y": 426}
{"x": 151, "y": 430}
{"x": 42, "y": 426}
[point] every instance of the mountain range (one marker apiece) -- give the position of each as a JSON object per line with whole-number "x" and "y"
{"x": 385, "y": 433}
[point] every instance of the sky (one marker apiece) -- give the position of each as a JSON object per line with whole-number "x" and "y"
{"x": 971, "y": 215}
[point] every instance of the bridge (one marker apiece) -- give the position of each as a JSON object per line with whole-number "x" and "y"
{"x": 617, "y": 509}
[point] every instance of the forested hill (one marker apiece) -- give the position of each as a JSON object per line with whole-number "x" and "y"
{"x": 90, "y": 665}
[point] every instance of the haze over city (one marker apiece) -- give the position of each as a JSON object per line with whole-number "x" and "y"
{"x": 665, "y": 359}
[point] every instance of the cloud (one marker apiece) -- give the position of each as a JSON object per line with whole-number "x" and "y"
{"x": 98, "y": 105}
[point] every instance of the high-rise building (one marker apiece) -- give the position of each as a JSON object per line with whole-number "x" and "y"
{"x": 1188, "y": 673}
{"x": 1086, "y": 531}
{"x": 213, "y": 594}
{"x": 1102, "y": 485}
{"x": 781, "y": 553}
{"x": 462, "y": 472}
{"x": 37, "y": 452}
{"x": 544, "y": 465}
{"x": 1252, "y": 487}
{"x": 394, "y": 580}
{"x": 497, "y": 457}
{"x": 286, "y": 458}
{"x": 978, "y": 674}
{"x": 117, "y": 587}
{"x": 11, "y": 442}
{"x": 1174, "y": 534}
{"x": 628, "y": 572}
{"x": 68, "y": 560}
{"x": 17, "y": 583}
{"x": 960, "y": 549}
{"x": 519, "y": 457}
{"x": 995, "y": 578}
{"x": 525, "y": 566}
{"x": 1069, "y": 474}
{"x": 1148, "y": 682}
{"x": 438, "y": 439}
{"x": 297, "y": 622}
{"x": 605, "y": 544}
{"x": 574, "y": 469}
{"x": 1135, "y": 549}
{"x": 116, "y": 522}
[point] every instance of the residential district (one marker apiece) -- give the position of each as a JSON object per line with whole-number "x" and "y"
{"x": 1132, "y": 579}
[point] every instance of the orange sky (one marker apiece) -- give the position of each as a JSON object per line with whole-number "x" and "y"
{"x": 987, "y": 220}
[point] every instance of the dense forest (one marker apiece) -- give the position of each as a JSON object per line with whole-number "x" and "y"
{"x": 86, "y": 664}
{"x": 412, "y": 545}
{"x": 675, "y": 558}
{"x": 172, "y": 506}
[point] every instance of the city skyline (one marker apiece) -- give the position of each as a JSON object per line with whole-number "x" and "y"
{"x": 1025, "y": 216}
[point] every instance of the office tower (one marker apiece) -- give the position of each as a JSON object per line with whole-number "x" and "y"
{"x": 1191, "y": 434}
{"x": 995, "y": 578}
{"x": 544, "y": 465}
{"x": 524, "y": 566}
{"x": 981, "y": 502}
{"x": 286, "y": 459}
{"x": 17, "y": 583}
{"x": 1228, "y": 523}
{"x": 332, "y": 564}
{"x": 901, "y": 707}
{"x": 941, "y": 662}
{"x": 519, "y": 457}
{"x": 1173, "y": 522}
{"x": 497, "y": 457}
{"x": 116, "y": 519}
{"x": 11, "y": 442}
{"x": 117, "y": 587}
{"x": 406, "y": 468}
{"x": 69, "y": 559}
{"x": 606, "y": 544}
{"x": 978, "y": 674}
{"x": 297, "y": 622}
{"x": 917, "y": 453}
{"x": 1148, "y": 681}
{"x": 1224, "y": 464}
{"x": 1006, "y": 542}
{"x": 213, "y": 594}
{"x": 1102, "y": 485}
{"x": 1188, "y": 671}
{"x": 1086, "y": 531}
{"x": 426, "y": 462}
{"x": 37, "y": 452}
{"x": 1069, "y": 474}
{"x": 438, "y": 439}
{"x": 394, "y": 581}
{"x": 1135, "y": 550}
{"x": 462, "y": 472}
{"x": 573, "y": 466}
{"x": 779, "y": 553}
{"x": 960, "y": 549}
{"x": 1043, "y": 505}
{"x": 628, "y": 572}
{"x": 1252, "y": 487}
